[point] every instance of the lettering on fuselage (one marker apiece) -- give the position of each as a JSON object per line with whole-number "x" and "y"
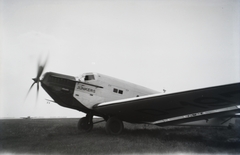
{"x": 90, "y": 90}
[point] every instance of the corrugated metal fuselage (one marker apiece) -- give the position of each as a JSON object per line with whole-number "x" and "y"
{"x": 82, "y": 95}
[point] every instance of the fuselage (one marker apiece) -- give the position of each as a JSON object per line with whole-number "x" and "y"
{"x": 82, "y": 93}
{"x": 90, "y": 89}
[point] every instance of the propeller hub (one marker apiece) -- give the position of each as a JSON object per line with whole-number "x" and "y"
{"x": 37, "y": 78}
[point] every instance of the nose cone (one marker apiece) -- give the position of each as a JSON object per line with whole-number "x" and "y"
{"x": 61, "y": 88}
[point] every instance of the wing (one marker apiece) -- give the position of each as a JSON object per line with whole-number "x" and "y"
{"x": 175, "y": 108}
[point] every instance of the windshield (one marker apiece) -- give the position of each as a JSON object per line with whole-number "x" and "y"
{"x": 89, "y": 77}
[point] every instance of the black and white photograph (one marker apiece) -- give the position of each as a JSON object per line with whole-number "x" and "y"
{"x": 119, "y": 77}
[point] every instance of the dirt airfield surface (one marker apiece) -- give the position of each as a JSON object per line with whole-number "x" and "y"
{"x": 60, "y": 136}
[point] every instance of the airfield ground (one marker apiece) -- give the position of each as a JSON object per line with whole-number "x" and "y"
{"x": 60, "y": 136}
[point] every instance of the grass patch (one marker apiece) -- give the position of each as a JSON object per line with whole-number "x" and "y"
{"x": 60, "y": 136}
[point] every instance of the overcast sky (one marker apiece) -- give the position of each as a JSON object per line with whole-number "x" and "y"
{"x": 169, "y": 44}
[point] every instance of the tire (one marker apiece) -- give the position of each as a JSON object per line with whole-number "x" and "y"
{"x": 83, "y": 124}
{"x": 114, "y": 126}
{"x": 230, "y": 126}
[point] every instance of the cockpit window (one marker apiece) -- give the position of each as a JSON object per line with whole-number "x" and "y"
{"x": 89, "y": 77}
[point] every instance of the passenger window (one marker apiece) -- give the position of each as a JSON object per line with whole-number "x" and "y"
{"x": 115, "y": 90}
{"x": 120, "y": 92}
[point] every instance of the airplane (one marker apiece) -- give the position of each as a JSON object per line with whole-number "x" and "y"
{"x": 118, "y": 101}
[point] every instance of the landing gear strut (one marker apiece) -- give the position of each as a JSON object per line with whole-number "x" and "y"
{"x": 114, "y": 126}
{"x": 86, "y": 123}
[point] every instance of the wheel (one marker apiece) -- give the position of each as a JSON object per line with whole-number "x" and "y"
{"x": 84, "y": 124}
{"x": 114, "y": 126}
{"x": 230, "y": 126}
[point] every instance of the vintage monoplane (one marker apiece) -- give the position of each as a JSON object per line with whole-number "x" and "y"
{"x": 116, "y": 101}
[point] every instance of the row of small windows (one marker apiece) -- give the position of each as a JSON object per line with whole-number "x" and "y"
{"x": 115, "y": 90}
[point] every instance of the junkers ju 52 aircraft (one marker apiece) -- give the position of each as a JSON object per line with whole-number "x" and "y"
{"x": 116, "y": 101}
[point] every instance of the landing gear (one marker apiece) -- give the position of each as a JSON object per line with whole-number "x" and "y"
{"x": 230, "y": 126}
{"x": 114, "y": 126}
{"x": 85, "y": 123}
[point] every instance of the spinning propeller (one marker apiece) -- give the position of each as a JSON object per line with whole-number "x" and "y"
{"x": 37, "y": 79}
